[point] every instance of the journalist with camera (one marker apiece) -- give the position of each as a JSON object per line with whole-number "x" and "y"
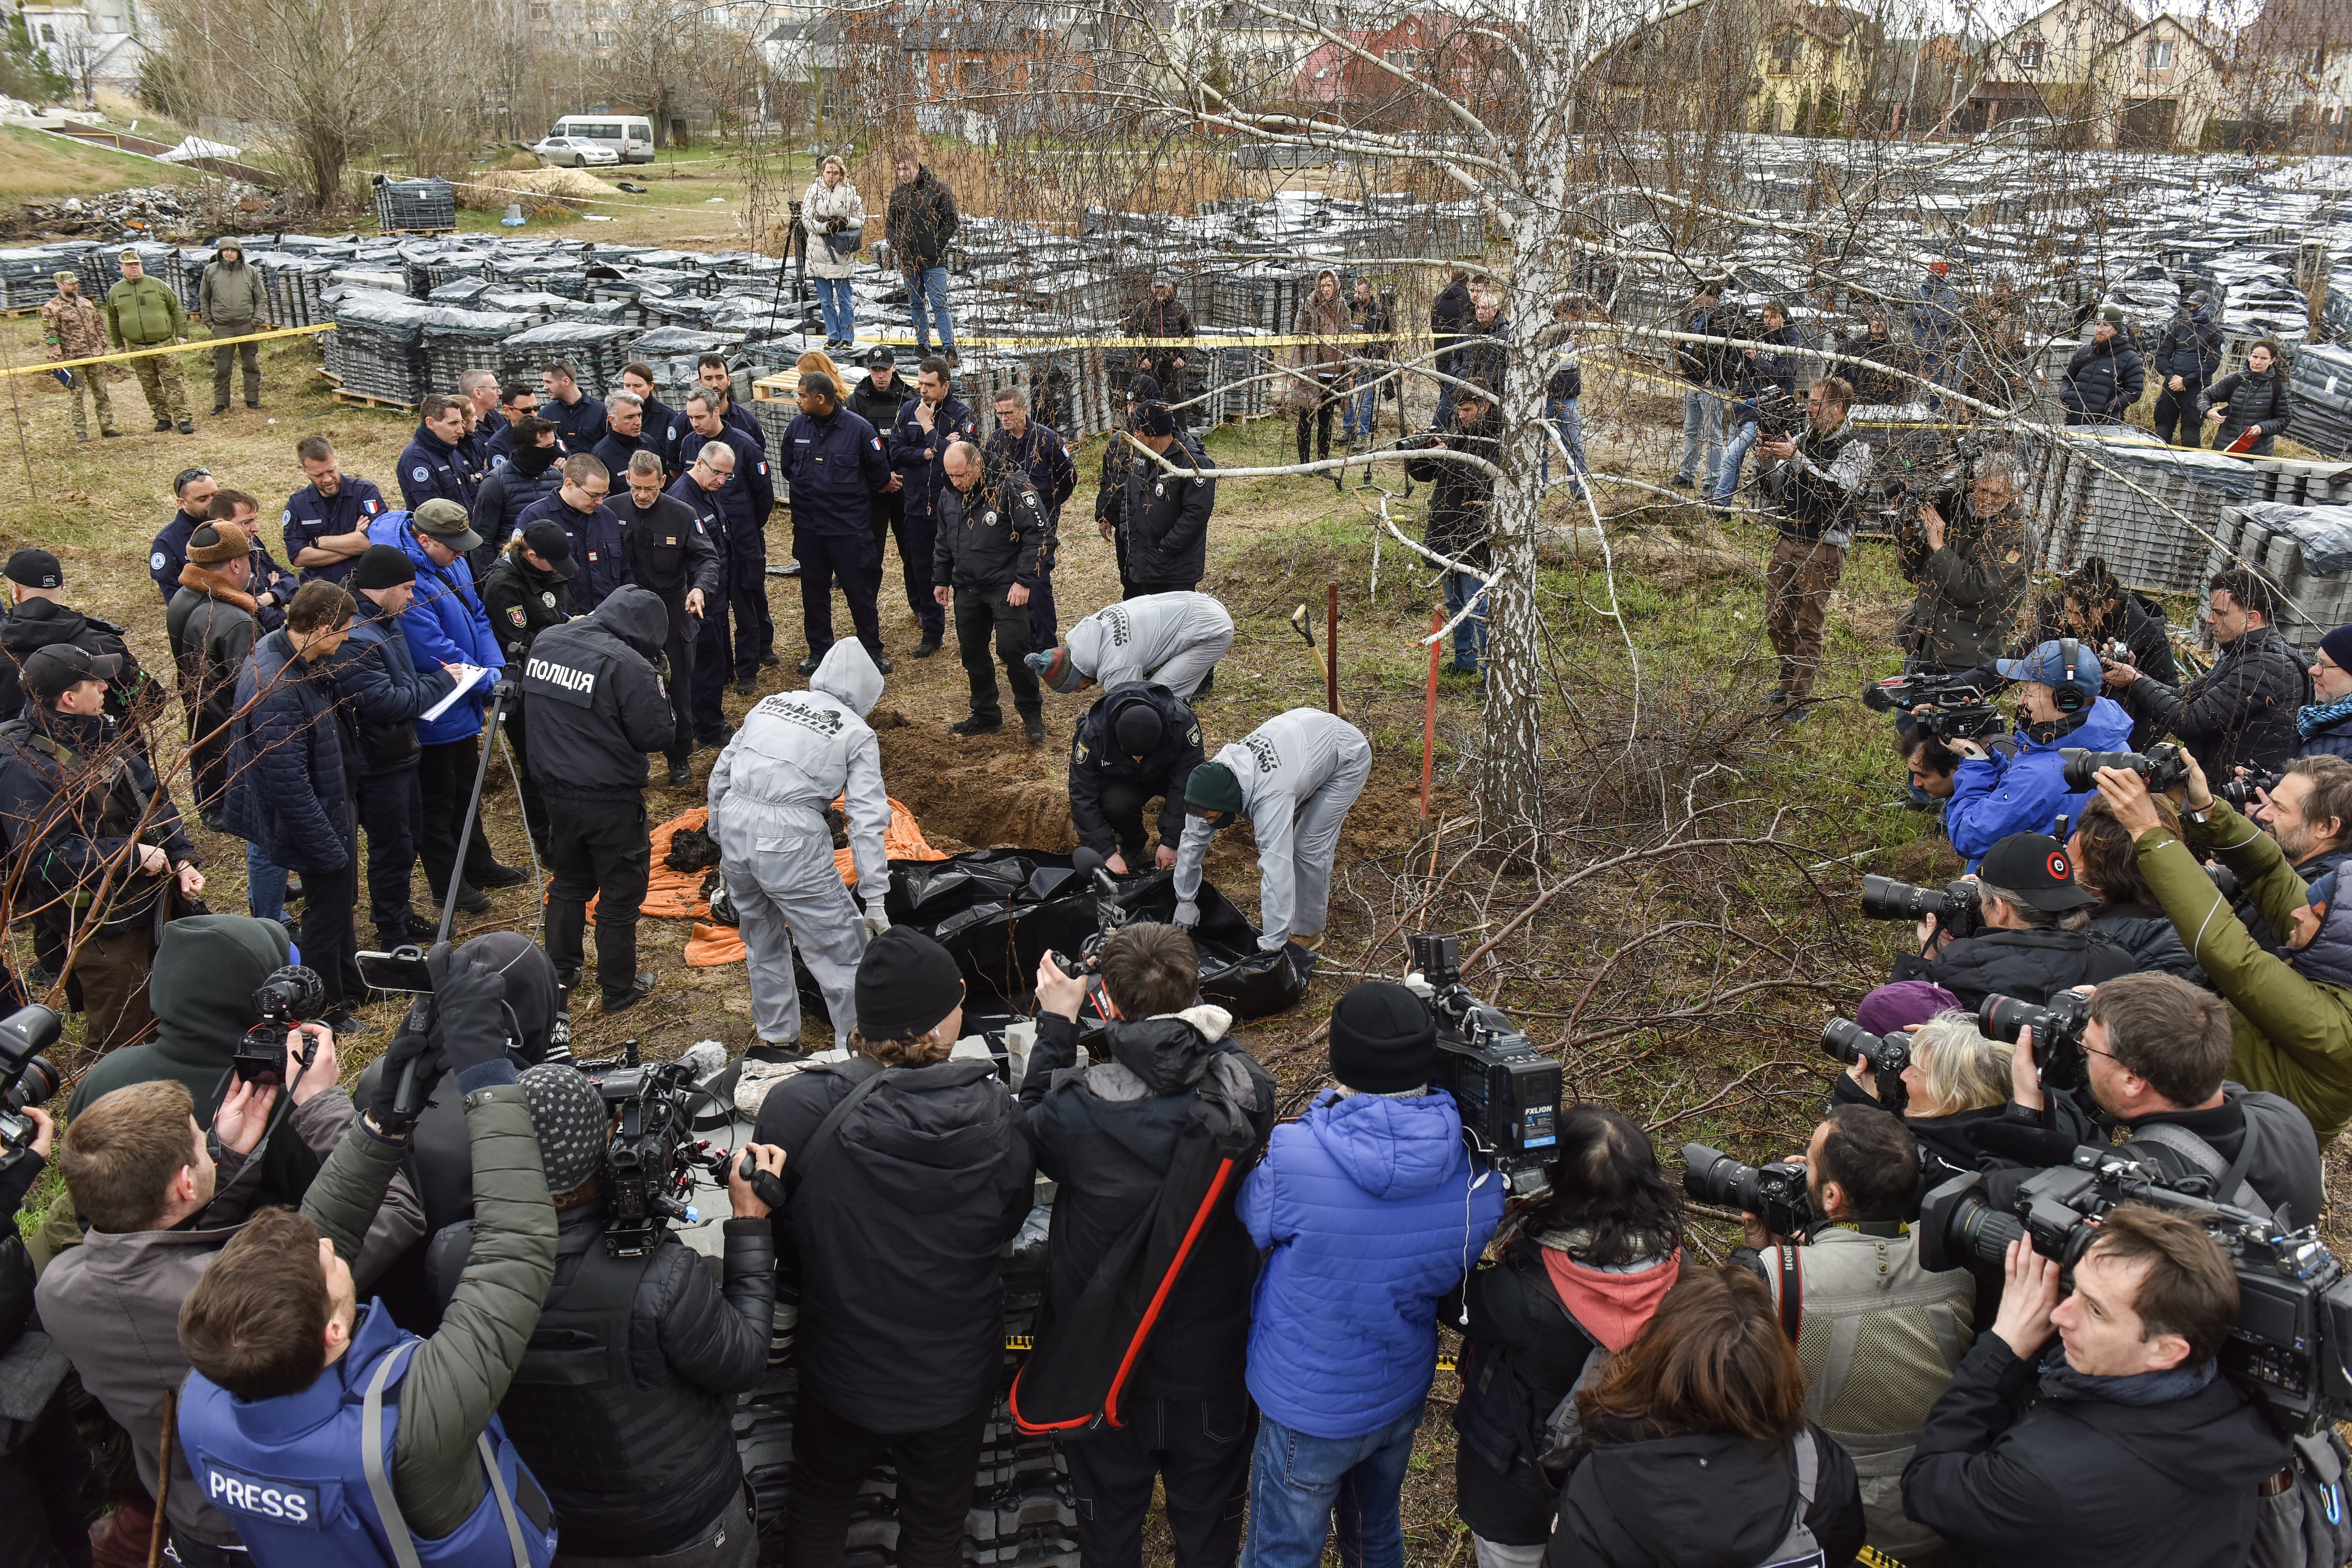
{"x": 2307, "y": 808}
{"x": 1879, "y": 1335}
{"x": 1814, "y": 478}
{"x": 2291, "y": 1013}
{"x": 1970, "y": 568}
{"x": 2123, "y": 1444}
{"x": 2241, "y": 712}
{"x": 2092, "y": 605}
{"x": 1996, "y": 792}
{"x": 2021, "y": 928}
{"x": 2151, "y": 1055}
{"x": 2106, "y": 865}
{"x": 1942, "y": 1075}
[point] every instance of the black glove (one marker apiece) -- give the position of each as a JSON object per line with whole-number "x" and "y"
{"x": 469, "y": 1025}
{"x": 407, "y": 1045}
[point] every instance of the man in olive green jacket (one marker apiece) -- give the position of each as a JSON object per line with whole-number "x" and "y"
{"x": 232, "y": 301}
{"x": 2290, "y": 1018}
{"x": 140, "y": 313}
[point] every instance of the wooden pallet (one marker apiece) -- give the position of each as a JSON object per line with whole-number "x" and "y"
{"x": 414, "y": 233}
{"x": 329, "y": 377}
{"x": 350, "y": 399}
{"x": 778, "y": 388}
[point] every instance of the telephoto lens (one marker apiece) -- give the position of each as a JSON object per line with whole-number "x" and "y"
{"x": 2057, "y": 1027}
{"x": 1958, "y": 1228}
{"x": 2161, "y": 767}
{"x": 1844, "y": 1040}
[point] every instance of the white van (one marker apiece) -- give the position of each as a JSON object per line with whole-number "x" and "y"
{"x": 628, "y": 136}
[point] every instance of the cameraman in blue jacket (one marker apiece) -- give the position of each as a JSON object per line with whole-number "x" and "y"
{"x": 1995, "y": 794}
{"x": 1370, "y": 1211}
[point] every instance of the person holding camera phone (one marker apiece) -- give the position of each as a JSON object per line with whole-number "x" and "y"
{"x": 2123, "y": 1445}
{"x": 2290, "y": 1013}
{"x": 1879, "y": 1335}
{"x": 1971, "y": 569}
{"x": 1814, "y": 478}
{"x": 2021, "y": 788}
{"x": 2241, "y": 712}
{"x": 1759, "y": 376}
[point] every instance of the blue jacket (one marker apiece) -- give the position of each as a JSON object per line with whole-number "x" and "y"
{"x": 708, "y": 515}
{"x": 382, "y": 690}
{"x": 311, "y": 517}
{"x": 169, "y": 553}
{"x": 598, "y": 547}
{"x": 1994, "y": 797}
{"x": 662, "y": 428}
{"x": 444, "y": 624}
{"x": 680, "y": 428}
{"x": 616, "y": 450}
{"x": 748, "y": 499}
{"x": 287, "y": 794}
{"x": 430, "y": 467}
{"x": 1371, "y": 1211}
{"x": 578, "y": 425}
{"x": 835, "y": 467}
{"x": 917, "y": 454}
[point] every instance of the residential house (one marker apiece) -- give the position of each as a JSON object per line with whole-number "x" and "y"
{"x": 2292, "y": 75}
{"x": 2105, "y": 73}
{"x": 96, "y": 45}
{"x": 1813, "y": 64}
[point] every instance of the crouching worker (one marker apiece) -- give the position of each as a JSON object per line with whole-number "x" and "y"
{"x": 1295, "y": 777}
{"x": 325, "y": 1433}
{"x": 1118, "y": 1135}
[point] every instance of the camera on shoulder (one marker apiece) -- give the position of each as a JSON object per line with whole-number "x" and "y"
{"x": 1949, "y": 707}
{"x": 1507, "y": 1092}
{"x": 652, "y": 1156}
{"x": 27, "y": 1076}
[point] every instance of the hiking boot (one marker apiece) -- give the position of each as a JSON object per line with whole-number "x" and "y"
{"x": 418, "y": 929}
{"x": 642, "y": 988}
{"x": 500, "y": 876}
{"x": 1032, "y": 728}
{"x": 187, "y": 426}
{"x": 770, "y": 659}
{"x": 471, "y": 899}
{"x": 680, "y": 775}
{"x": 219, "y": 409}
{"x": 162, "y": 426}
{"x": 253, "y": 402}
{"x": 881, "y": 664}
{"x": 975, "y": 726}
{"x": 745, "y": 686}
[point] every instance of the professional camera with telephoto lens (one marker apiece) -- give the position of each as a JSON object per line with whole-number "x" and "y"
{"x": 1844, "y": 1040}
{"x": 27, "y": 1076}
{"x": 1778, "y": 415}
{"x": 2161, "y": 767}
{"x": 653, "y": 1153}
{"x": 2242, "y": 791}
{"x": 1958, "y": 906}
{"x": 288, "y": 997}
{"x": 1949, "y": 707}
{"x": 2057, "y": 1027}
{"x": 2288, "y": 1350}
{"x": 1774, "y": 1194}
{"x": 1506, "y": 1092}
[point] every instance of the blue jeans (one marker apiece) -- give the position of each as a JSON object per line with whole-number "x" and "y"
{"x": 1565, "y": 418}
{"x": 929, "y": 288}
{"x": 1298, "y": 1483}
{"x": 1359, "y": 409}
{"x": 1470, "y": 636}
{"x": 1702, "y": 428}
{"x": 833, "y": 298}
{"x": 1726, "y": 478}
{"x": 264, "y": 885}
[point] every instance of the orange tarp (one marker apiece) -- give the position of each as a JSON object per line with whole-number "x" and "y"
{"x": 677, "y": 895}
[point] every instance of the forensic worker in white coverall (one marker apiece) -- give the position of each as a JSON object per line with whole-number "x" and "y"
{"x": 1294, "y": 777}
{"x": 795, "y": 754}
{"x": 1163, "y": 639}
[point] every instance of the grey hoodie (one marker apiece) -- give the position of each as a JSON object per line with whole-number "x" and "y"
{"x": 796, "y": 752}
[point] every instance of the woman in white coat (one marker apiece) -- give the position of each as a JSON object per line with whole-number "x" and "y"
{"x": 835, "y": 219}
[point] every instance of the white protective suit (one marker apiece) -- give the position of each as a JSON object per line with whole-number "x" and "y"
{"x": 1299, "y": 772}
{"x": 1167, "y": 639}
{"x": 793, "y": 754}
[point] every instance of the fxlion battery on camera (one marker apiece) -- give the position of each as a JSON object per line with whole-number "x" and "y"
{"x": 1506, "y": 1092}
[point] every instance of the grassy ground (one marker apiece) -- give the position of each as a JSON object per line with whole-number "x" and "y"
{"x": 35, "y": 166}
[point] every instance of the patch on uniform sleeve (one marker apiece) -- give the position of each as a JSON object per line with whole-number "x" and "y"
{"x": 515, "y": 614}
{"x": 420, "y": 473}
{"x": 368, "y": 507}
{"x": 155, "y": 562}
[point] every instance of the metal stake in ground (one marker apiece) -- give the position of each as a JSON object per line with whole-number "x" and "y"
{"x": 1429, "y": 713}
{"x": 1332, "y": 647}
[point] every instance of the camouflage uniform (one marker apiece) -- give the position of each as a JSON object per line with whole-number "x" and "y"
{"x": 75, "y": 328}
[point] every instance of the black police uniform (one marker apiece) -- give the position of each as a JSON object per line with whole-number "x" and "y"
{"x": 596, "y": 708}
{"x": 522, "y": 602}
{"x": 1108, "y": 789}
{"x": 671, "y": 553}
{"x": 988, "y": 539}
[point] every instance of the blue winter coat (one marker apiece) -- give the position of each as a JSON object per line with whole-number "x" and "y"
{"x": 579, "y": 426}
{"x": 288, "y": 792}
{"x": 430, "y": 467}
{"x": 919, "y": 457}
{"x": 444, "y": 624}
{"x": 598, "y": 547}
{"x": 747, "y": 500}
{"x": 1994, "y": 797}
{"x": 835, "y": 467}
{"x": 1371, "y": 1211}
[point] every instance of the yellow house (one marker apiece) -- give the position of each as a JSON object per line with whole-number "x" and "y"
{"x": 1813, "y": 64}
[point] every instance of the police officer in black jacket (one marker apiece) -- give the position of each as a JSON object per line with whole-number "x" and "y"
{"x": 527, "y": 590}
{"x": 622, "y": 1402}
{"x": 672, "y": 553}
{"x": 596, "y": 708}
{"x": 1139, "y": 740}
{"x": 991, "y": 525}
{"x": 876, "y": 400}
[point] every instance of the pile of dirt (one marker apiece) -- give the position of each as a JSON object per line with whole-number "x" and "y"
{"x": 972, "y": 795}
{"x": 573, "y": 183}
{"x": 157, "y": 211}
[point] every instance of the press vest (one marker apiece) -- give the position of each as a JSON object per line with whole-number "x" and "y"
{"x": 306, "y": 1479}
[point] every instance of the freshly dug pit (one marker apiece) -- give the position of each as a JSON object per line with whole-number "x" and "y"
{"x": 982, "y": 793}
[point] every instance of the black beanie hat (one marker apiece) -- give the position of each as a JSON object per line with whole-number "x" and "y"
{"x": 906, "y": 984}
{"x": 1383, "y": 1039}
{"x": 1139, "y": 730}
{"x": 382, "y": 566}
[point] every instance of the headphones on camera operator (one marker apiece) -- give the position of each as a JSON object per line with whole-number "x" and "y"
{"x": 2067, "y": 694}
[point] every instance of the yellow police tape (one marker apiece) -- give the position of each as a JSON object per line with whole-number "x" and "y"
{"x": 45, "y": 366}
{"x": 1280, "y": 341}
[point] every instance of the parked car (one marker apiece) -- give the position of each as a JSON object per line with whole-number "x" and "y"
{"x": 631, "y": 136}
{"x": 574, "y": 153}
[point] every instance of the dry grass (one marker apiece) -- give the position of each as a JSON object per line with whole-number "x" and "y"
{"x": 37, "y": 166}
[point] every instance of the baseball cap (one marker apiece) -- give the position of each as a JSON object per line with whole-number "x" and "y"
{"x": 36, "y": 568}
{"x": 446, "y": 521}
{"x": 126, "y": 254}
{"x": 880, "y": 357}
{"x": 547, "y": 538}
{"x": 2047, "y": 665}
{"x": 65, "y": 278}
{"x": 2037, "y": 869}
{"x": 49, "y": 671}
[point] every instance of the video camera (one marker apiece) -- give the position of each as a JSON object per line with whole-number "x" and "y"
{"x": 1506, "y": 1092}
{"x": 1109, "y": 915}
{"x": 1775, "y": 1193}
{"x": 1844, "y": 1040}
{"x": 2161, "y": 767}
{"x": 1960, "y": 710}
{"x": 2057, "y": 1027}
{"x": 289, "y": 995}
{"x": 1958, "y": 908}
{"x": 2294, "y": 1332}
{"x": 27, "y": 1076}
{"x": 653, "y": 1153}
